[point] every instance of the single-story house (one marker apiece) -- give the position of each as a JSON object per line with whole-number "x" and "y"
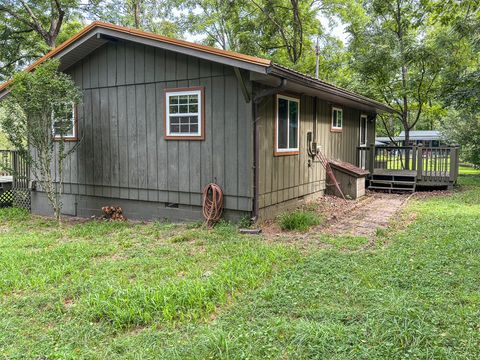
{"x": 161, "y": 118}
{"x": 428, "y": 138}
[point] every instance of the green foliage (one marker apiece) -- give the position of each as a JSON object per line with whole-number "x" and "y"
{"x": 300, "y": 220}
{"x": 463, "y": 128}
{"x": 35, "y": 100}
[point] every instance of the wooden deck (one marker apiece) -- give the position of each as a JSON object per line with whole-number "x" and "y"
{"x": 406, "y": 167}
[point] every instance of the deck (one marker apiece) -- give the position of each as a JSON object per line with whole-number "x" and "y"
{"x": 406, "y": 167}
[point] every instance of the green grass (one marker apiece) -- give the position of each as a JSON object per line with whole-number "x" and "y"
{"x": 299, "y": 220}
{"x": 122, "y": 290}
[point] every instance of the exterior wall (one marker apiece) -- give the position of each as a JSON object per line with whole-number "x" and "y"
{"x": 123, "y": 155}
{"x": 283, "y": 178}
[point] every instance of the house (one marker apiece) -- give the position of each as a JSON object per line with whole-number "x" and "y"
{"x": 161, "y": 118}
{"x": 430, "y": 138}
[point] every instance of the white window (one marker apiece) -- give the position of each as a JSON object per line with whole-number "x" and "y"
{"x": 337, "y": 118}
{"x": 287, "y": 125}
{"x": 184, "y": 113}
{"x": 64, "y": 122}
{"x": 363, "y": 130}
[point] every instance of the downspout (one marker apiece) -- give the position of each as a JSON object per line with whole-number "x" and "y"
{"x": 256, "y": 141}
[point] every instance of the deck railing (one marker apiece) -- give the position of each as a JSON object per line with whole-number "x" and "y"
{"x": 433, "y": 165}
{"x": 6, "y": 162}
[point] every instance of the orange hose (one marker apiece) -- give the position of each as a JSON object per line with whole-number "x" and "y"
{"x": 212, "y": 204}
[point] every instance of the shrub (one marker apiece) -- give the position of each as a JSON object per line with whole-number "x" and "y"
{"x": 298, "y": 220}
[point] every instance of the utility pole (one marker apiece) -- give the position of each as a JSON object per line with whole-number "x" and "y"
{"x": 317, "y": 55}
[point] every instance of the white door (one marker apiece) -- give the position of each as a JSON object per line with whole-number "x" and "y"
{"x": 363, "y": 141}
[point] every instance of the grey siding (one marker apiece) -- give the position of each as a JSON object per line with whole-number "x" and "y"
{"x": 123, "y": 153}
{"x": 283, "y": 178}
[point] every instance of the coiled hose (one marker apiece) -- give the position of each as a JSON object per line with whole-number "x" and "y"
{"x": 212, "y": 204}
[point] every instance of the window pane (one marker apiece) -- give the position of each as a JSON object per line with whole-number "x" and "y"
{"x": 173, "y": 99}
{"x": 340, "y": 119}
{"x": 363, "y": 133}
{"x": 334, "y": 122}
{"x": 194, "y": 128}
{"x": 282, "y": 124}
{"x": 173, "y": 109}
{"x": 175, "y": 120}
{"x": 193, "y": 99}
{"x": 193, "y": 120}
{"x": 183, "y": 109}
{"x": 293, "y": 117}
{"x": 193, "y": 108}
{"x": 183, "y": 99}
{"x": 185, "y": 128}
{"x": 63, "y": 121}
{"x": 174, "y": 128}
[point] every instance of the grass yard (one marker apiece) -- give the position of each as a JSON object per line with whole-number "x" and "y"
{"x": 122, "y": 290}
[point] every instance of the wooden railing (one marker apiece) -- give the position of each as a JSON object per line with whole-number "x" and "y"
{"x": 6, "y": 162}
{"x": 432, "y": 164}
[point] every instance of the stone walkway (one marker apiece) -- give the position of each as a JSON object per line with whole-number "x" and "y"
{"x": 367, "y": 218}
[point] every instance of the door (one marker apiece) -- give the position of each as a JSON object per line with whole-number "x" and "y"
{"x": 362, "y": 153}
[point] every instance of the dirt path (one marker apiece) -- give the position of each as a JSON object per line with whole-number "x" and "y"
{"x": 365, "y": 219}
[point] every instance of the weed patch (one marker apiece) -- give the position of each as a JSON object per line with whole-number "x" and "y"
{"x": 299, "y": 220}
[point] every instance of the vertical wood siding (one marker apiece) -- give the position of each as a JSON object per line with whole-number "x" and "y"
{"x": 123, "y": 153}
{"x": 283, "y": 178}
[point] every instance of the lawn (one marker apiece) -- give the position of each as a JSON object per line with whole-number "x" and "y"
{"x": 158, "y": 290}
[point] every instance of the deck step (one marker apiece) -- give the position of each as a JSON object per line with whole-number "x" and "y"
{"x": 391, "y": 188}
{"x": 392, "y": 181}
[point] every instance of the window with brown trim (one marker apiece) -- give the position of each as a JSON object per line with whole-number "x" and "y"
{"x": 64, "y": 122}
{"x": 184, "y": 114}
{"x": 287, "y": 124}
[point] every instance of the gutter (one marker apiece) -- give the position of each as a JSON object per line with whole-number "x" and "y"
{"x": 316, "y": 84}
{"x": 256, "y": 141}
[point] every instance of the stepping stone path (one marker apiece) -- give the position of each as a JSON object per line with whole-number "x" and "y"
{"x": 365, "y": 219}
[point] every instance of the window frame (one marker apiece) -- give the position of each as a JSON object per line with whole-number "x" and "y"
{"x": 286, "y": 151}
{"x": 363, "y": 116}
{"x": 73, "y": 137}
{"x": 336, "y": 128}
{"x": 198, "y": 90}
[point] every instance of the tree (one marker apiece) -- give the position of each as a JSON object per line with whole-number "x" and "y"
{"x": 38, "y": 102}
{"x": 149, "y": 15}
{"x": 29, "y": 29}
{"x": 397, "y": 58}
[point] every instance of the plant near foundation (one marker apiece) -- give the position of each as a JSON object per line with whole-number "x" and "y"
{"x": 300, "y": 220}
{"x": 38, "y": 102}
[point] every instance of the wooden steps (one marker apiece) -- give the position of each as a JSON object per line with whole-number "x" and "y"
{"x": 393, "y": 182}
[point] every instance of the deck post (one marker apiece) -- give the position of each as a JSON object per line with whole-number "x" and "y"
{"x": 414, "y": 157}
{"x": 371, "y": 159}
{"x": 419, "y": 161}
{"x": 453, "y": 163}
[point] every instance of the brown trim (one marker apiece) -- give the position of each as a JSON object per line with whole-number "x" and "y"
{"x": 147, "y": 35}
{"x": 75, "y": 125}
{"x": 332, "y": 129}
{"x": 202, "y": 114}
{"x": 275, "y": 120}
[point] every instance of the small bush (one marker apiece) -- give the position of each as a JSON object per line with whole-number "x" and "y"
{"x": 298, "y": 220}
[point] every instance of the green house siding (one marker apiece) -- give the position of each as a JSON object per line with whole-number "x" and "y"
{"x": 284, "y": 178}
{"x": 123, "y": 153}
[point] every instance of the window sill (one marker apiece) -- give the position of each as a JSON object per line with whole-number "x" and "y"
{"x": 336, "y": 130}
{"x": 198, "y": 138}
{"x": 286, "y": 153}
{"x": 69, "y": 139}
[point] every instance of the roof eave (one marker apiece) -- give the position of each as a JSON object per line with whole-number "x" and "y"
{"x": 322, "y": 86}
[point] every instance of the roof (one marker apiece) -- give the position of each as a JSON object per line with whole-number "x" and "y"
{"x": 348, "y": 168}
{"x": 98, "y": 33}
{"x": 422, "y": 135}
{"x": 415, "y": 135}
